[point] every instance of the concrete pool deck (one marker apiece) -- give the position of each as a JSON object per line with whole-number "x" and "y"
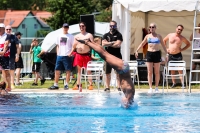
{"x": 44, "y": 90}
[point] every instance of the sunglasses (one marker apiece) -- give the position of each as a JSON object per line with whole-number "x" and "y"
{"x": 113, "y": 26}
{"x": 81, "y": 25}
{"x": 151, "y": 27}
{"x": 8, "y": 29}
{"x": 180, "y": 29}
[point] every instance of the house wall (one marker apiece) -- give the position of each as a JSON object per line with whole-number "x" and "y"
{"x": 29, "y": 31}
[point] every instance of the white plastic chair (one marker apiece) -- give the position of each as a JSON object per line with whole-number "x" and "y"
{"x": 174, "y": 65}
{"x": 96, "y": 67}
{"x": 133, "y": 65}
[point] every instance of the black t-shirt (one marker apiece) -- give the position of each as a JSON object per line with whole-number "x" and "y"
{"x": 13, "y": 42}
{"x": 113, "y": 37}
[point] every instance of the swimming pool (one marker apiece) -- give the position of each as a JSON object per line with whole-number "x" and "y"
{"x": 66, "y": 113}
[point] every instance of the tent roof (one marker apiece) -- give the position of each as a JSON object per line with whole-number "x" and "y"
{"x": 158, "y": 5}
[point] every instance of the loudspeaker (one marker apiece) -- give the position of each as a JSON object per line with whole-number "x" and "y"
{"x": 90, "y": 23}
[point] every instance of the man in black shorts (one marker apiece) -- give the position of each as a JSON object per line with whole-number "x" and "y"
{"x": 112, "y": 42}
{"x": 19, "y": 64}
{"x": 14, "y": 53}
{"x": 175, "y": 48}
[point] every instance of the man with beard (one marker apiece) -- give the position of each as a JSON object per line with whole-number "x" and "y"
{"x": 175, "y": 48}
{"x": 112, "y": 42}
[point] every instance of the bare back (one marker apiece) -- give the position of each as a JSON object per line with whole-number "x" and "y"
{"x": 80, "y": 48}
{"x": 175, "y": 42}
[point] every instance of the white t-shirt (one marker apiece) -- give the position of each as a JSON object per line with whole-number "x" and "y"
{"x": 65, "y": 42}
{"x": 196, "y": 41}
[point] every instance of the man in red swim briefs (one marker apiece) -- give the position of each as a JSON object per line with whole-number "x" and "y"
{"x": 82, "y": 56}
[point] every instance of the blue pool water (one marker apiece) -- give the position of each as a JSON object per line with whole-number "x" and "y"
{"x": 86, "y": 113}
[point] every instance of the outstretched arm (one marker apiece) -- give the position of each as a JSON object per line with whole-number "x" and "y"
{"x": 112, "y": 60}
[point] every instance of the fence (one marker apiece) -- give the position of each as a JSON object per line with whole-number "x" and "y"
{"x": 26, "y": 72}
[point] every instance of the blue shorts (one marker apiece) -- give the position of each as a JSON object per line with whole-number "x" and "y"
{"x": 63, "y": 63}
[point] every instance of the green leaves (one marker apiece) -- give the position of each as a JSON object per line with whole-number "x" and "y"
{"x": 67, "y": 11}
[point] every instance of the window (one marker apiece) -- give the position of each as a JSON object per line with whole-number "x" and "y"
{"x": 35, "y": 26}
{"x": 23, "y": 26}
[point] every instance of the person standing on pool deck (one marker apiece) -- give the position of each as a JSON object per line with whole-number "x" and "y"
{"x": 112, "y": 42}
{"x": 82, "y": 55}
{"x": 121, "y": 67}
{"x": 36, "y": 49}
{"x": 153, "y": 55}
{"x": 63, "y": 61}
{"x": 18, "y": 64}
{"x": 174, "y": 49}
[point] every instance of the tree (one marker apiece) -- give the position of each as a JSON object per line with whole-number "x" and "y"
{"x": 105, "y": 15}
{"x": 105, "y": 7}
{"x": 22, "y": 4}
{"x": 68, "y": 11}
{"x": 14, "y": 4}
{"x": 101, "y": 5}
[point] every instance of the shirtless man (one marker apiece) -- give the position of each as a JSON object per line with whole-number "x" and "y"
{"x": 82, "y": 56}
{"x": 174, "y": 49}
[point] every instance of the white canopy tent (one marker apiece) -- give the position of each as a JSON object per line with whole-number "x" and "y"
{"x": 133, "y": 15}
{"x": 48, "y": 43}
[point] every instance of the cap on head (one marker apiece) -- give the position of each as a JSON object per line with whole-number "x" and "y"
{"x": 18, "y": 33}
{"x": 2, "y": 25}
{"x": 65, "y": 25}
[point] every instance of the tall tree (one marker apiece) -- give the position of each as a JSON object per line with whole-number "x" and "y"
{"x": 101, "y": 4}
{"x": 14, "y": 4}
{"x": 68, "y": 11}
{"x": 22, "y": 4}
{"x": 105, "y": 9}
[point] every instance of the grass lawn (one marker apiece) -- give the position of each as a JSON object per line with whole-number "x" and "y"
{"x": 48, "y": 83}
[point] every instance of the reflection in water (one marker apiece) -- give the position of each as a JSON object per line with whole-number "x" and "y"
{"x": 99, "y": 113}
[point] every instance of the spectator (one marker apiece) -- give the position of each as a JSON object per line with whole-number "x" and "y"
{"x": 95, "y": 56}
{"x": 5, "y": 65}
{"x": 83, "y": 55}
{"x": 19, "y": 64}
{"x": 175, "y": 48}
{"x": 153, "y": 55}
{"x": 63, "y": 62}
{"x": 14, "y": 53}
{"x": 112, "y": 42}
{"x": 35, "y": 49}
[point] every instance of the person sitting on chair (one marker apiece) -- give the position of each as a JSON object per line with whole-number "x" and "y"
{"x": 122, "y": 69}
